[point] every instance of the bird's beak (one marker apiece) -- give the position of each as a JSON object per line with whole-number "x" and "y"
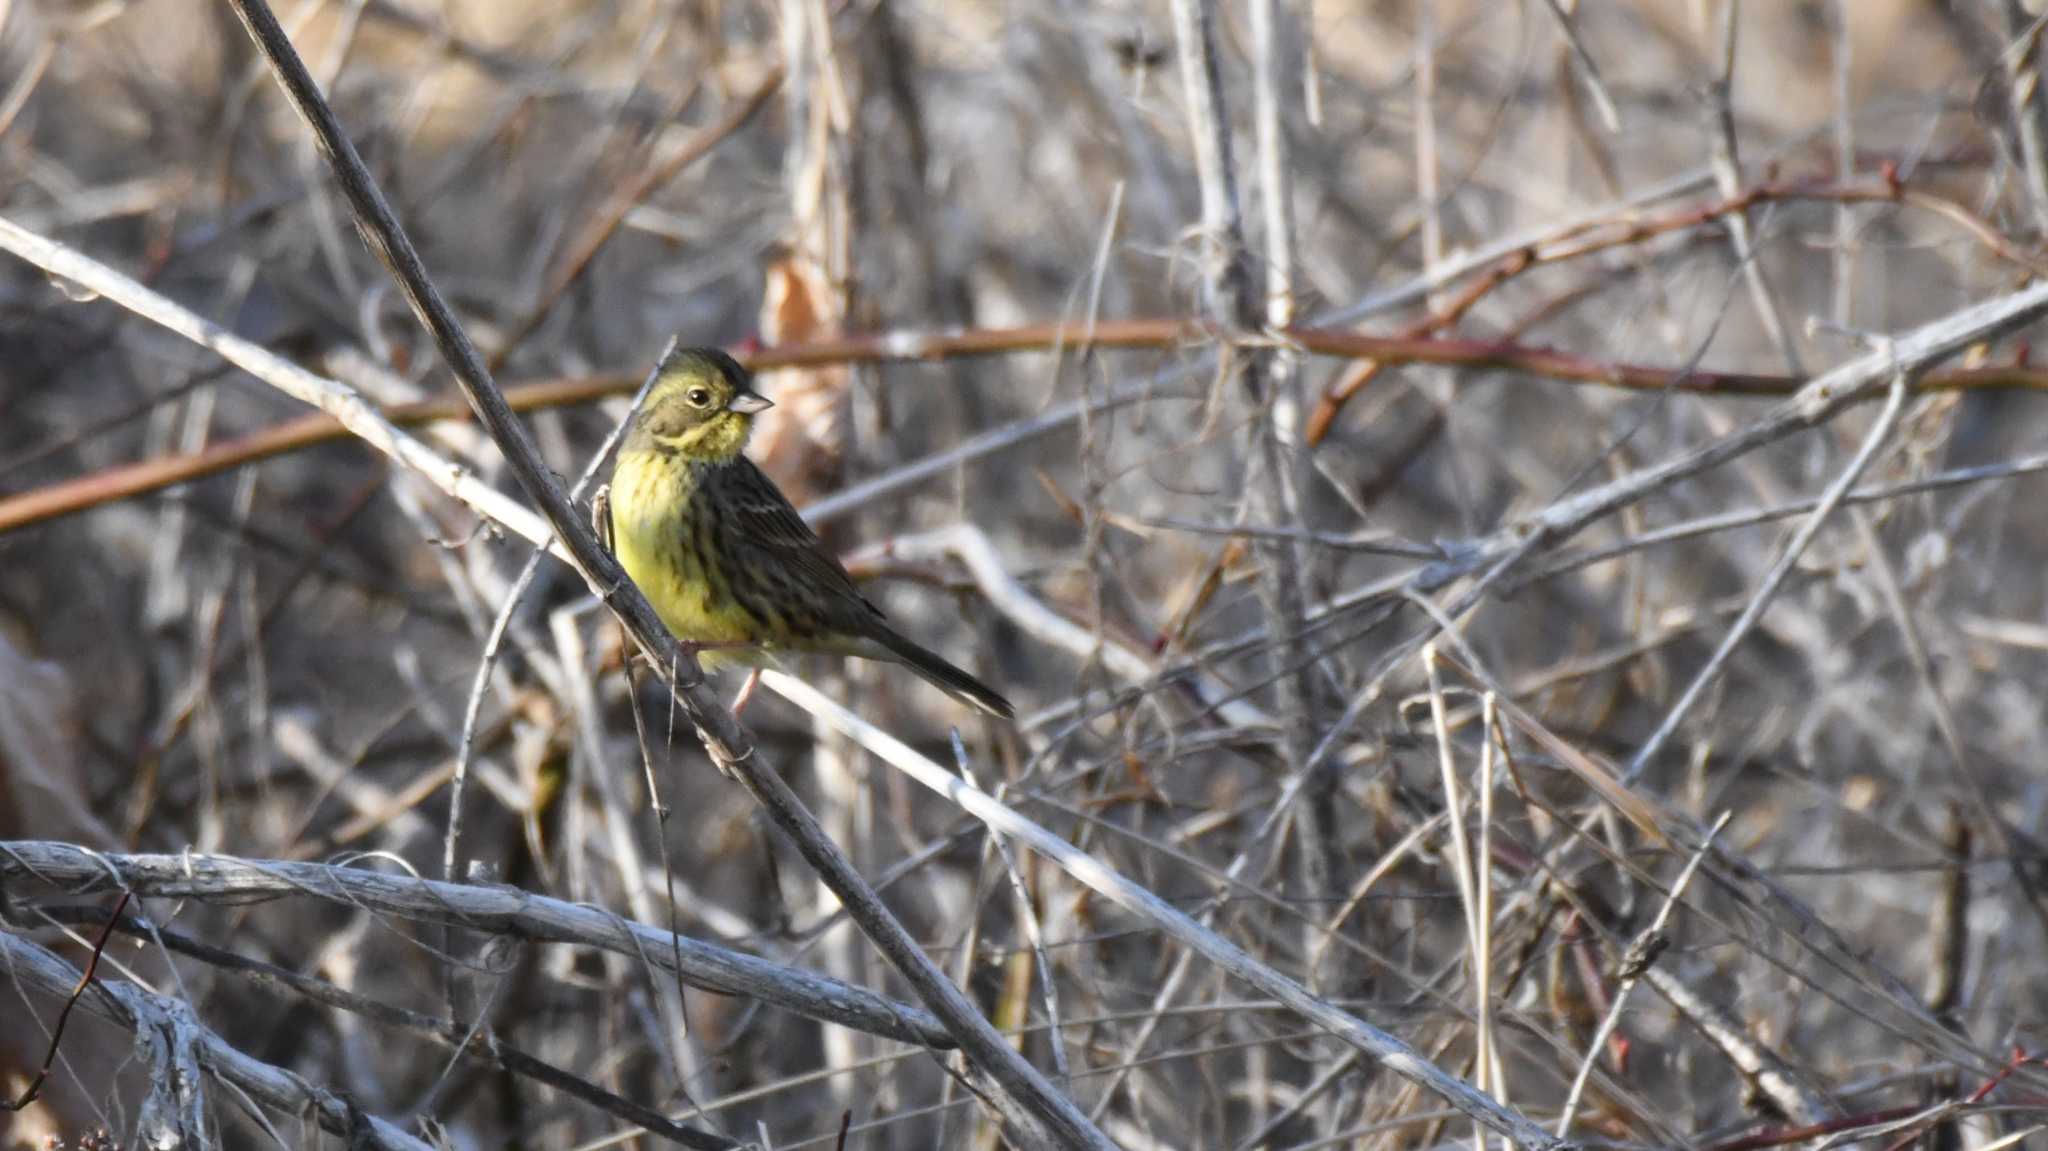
{"x": 748, "y": 403}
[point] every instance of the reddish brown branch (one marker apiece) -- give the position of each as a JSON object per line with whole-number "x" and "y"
{"x": 1604, "y": 235}
{"x": 1417, "y": 344}
{"x": 1339, "y": 393}
{"x": 129, "y": 480}
{"x": 92, "y": 966}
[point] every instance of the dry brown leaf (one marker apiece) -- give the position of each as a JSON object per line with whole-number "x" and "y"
{"x": 800, "y": 442}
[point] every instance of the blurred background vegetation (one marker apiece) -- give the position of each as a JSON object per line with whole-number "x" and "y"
{"x": 273, "y": 660}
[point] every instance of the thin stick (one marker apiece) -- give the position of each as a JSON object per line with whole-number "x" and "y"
{"x": 169, "y": 1032}
{"x": 1042, "y": 1115}
{"x": 1027, "y": 916}
{"x": 1727, "y": 165}
{"x": 1642, "y": 952}
{"x": 1461, "y": 861}
{"x": 502, "y": 623}
{"x": 1488, "y": 1057}
{"x": 34, "y": 1089}
{"x": 601, "y": 228}
{"x": 1396, "y": 1055}
{"x": 1587, "y": 68}
{"x": 1773, "y": 579}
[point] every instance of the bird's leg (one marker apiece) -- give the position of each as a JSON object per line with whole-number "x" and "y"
{"x": 739, "y": 702}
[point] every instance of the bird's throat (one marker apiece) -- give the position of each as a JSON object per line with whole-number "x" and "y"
{"x": 717, "y": 440}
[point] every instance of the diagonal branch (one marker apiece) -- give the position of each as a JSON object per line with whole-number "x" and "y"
{"x": 1390, "y": 1050}
{"x": 1018, "y": 1090}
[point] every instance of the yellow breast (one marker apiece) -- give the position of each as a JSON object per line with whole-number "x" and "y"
{"x": 663, "y": 542}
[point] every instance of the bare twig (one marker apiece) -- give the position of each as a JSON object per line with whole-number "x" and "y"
{"x": 167, "y": 1033}
{"x": 1389, "y": 1050}
{"x": 1759, "y": 1064}
{"x": 456, "y": 1034}
{"x": 1768, "y": 587}
{"x": 1587, "y": 68}
{"x": 601, "y": 228}
{"x": 34, "y": 1089}
{"x": 1020, "y": 1092}
{"x": 503, "y": 910}
{"x": 1642, "y": 952}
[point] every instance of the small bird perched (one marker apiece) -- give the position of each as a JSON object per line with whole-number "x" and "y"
{"x": 727, "y": 562}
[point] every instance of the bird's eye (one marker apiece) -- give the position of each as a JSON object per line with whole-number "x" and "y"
{"x": 698, "y": 397}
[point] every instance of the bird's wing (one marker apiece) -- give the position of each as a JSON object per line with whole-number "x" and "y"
{"x": 763, "y": 519}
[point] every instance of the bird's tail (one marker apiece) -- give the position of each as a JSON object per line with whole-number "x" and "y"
{"x": 943, "y": 675}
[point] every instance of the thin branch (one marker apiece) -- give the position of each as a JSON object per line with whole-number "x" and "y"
{"x": 459, "y": 1035}
{"x": 34, "y": 1089}
{"x": 498, "y": 910}
{"x": 591, "y": 240}
{"x": 1589, "y": 70}
{"x": 1019, "y": 1091}
{"x": 1767, "y": 588}
{"x": 1642, "y": 952}
{"x": 159, "y": 1021}
{"x": 1392, "y": 1053}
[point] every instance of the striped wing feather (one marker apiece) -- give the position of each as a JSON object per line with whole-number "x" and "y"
{"x": 786, "y": 561}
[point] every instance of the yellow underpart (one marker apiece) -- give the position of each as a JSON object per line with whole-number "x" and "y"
{"x": 654, "y": 534}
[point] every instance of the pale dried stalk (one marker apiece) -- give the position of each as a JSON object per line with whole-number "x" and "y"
{"x": 502, "y": 910}
{"x": 356, "y": 414}
{"x": 1391, "y": 1052}
{"x": 1462, "y": 863}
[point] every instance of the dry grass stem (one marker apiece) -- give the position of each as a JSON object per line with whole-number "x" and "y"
{"x": 1482, "y": 509}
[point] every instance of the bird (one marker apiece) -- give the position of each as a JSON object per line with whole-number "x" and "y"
{"x": 727, "y": 562}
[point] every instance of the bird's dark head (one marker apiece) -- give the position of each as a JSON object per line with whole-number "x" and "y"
{"x": 702, "y": 407}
